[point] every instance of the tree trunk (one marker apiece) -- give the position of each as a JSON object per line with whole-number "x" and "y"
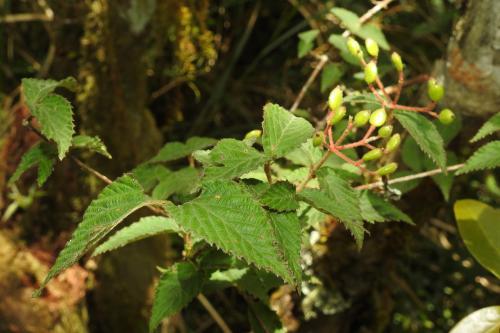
{"x": 472, "y": 70}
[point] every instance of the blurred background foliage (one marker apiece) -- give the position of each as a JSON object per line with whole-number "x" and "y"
{"x": 155, "y": 71}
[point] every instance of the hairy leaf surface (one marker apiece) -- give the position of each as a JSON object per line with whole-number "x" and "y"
{"x": 377, "y": 209}
{"x": 114, "y": 203}
{"x": 283, "y": 132}
{"x": 489, "y": 127}
{"x": 232, "y": 158}
{"x": 92, "y": 143}
{"x": 183, "y": 181}
{"x": 486, "y": 157}
{"x": 227, "y": 215}
{"x": 145, "y": 227}
{"x": 42, "y": 155}
{"x": 178, "y": 286}
{"x": 425, "y": 134}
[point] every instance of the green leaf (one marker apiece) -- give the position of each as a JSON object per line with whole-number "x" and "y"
{"x": 425, "y": 134}
{"x": 148, "y": 175}
{"x": 281, "y": 197}
{"x": 373, "y": 32}
{"x": 485, "y": 320}
{"x": 178, "y": 286}
{"x": 116, "y": 201}
{"x": 264, "y": 320}
{"x": 306, "y": 42}
{"x": 175, "y": 150}
{"x": 330, "y": 75}
{"x": 442, "y": 180}
{"x": 378, "y": 209}
{"x": 53, "y": 112}
{"x": 450, "y": 131}
{"x": 486, "y": 157}
{"x": 338, "y": 199}
{"x": 283, "y": 132}
{"x": 232, "y": 158}
{"x": 478, "y": 224}
{"x": 489, "y": 127}
{"x": 341, "y": 44}
{"x": 412, "y": 156}
{"x": 349, "y": 19}
{"x": 41, "y": 154}
{"x": 226, "y": 215}
{"x": 92, "y": 143}
{"x": 183, "y": 181}
{"x": 306, "y": 154}
{"x": 35, "y": 90}
{"x": 145, "y": 227}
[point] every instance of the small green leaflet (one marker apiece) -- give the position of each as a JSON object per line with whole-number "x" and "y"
{"x": 42, "y": 154}
{"x": 377, "y": 209}
{"x": 485, "y": 320}
{"x": 92, "y": 143}
{"x": 282, "y": 131}
{"x": 178, "y": 286}
{"x": 232, "y": 158}
{"x": 145, "y": 227}
{"x": 486, "y": 157}
{"x": 489, "y": 127}
{"x": 183, "y": 181}
{"x": 306, "y": 42}
{"x": 330, "y": 75}
{"x": 341, "y": 44}
{"x": 53, "y": 112}
{"x": 352, "y": 23}
{"x": 226, "y": 215}
{"x": 425, "y": 134}
{"x": 478, "y": 224}
{"x": 118, "y": 200}
{"x": 175, "y": 150}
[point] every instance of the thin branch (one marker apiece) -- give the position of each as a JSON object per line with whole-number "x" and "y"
{"x": 267, "y": 170}
{"x": 369, "y": 14}
{"x": 408, "y": 178}
{"x": 213, "y": 312}
{"x": 312, "y": 171}
{"x": 322, "y": 62}
{"x": 26, "y": 17}
{"x": 91, "y": 170}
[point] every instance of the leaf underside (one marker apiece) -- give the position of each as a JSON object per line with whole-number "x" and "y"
{"x": 42, "y": 155}
{"x": 175, "y": 150}
{"x": 114, "y": 203}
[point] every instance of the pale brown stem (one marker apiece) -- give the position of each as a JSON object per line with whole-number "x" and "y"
{"x": 322, "y": 62}
{"x": 408, "y": 178}
{"x": 213, "y": 313}
{"x": 369, "y": 14}
{"x": 312, "y": 171}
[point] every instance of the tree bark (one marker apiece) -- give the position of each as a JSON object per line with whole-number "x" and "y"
{"x": 472, "y": 69}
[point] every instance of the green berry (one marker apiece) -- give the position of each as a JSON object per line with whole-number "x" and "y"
{"x": 446, "y": 116}
{"x": 387, "y": 169}
{"x": 371, "y": 47}
{"x": 378, "y": 117}
{"x": 393, "y": 143}
{"x": 372, "y": 155}
{"x": 318, "y": 139}
{"x": 385, "y": 131}
{"x": 435, "y": 90}
{"x": 371, "y": 72}
{"x": 397, "y": 62}
{"x": 335, "y": 99}
{"x": 353, "y": 47}
{"x": 337, "y": 115}
{"x": 254, "y": 134}
{"x": 361, "y": 118}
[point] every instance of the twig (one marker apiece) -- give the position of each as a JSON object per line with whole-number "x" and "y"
{"x": 312, "y": 171}
{"x": 93, "y": 171}
{"x": 322, "y": 62}
{"x": 267, "y": 170}
{"x": 27, "y": 17}
{"x": 213, "y": 312}
{"x": 408, "y": 178}
{"x": 368, "y": 15}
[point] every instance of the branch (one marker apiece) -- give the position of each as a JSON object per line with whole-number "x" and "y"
{"x": 322, "y": 62}
{"x": 369, "y": 14}
{"x": 213, "y": 312}
{"x": 312, "y": 171}
{"x": 410, "y": 177}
